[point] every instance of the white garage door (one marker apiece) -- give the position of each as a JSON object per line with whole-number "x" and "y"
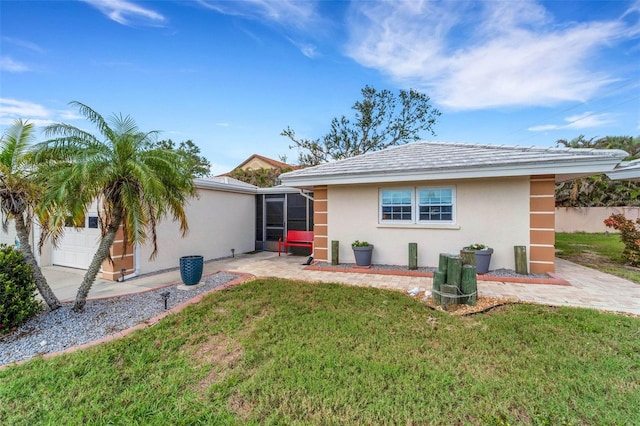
{"x": 77, "y": 246}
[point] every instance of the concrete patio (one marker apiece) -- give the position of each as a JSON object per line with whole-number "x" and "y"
{"x": 589, "y": 288}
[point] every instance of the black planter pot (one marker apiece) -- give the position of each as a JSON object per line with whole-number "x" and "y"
{"x": 191, "y": 269}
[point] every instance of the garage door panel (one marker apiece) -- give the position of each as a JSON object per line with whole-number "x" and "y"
{"x": 76, "y": 247}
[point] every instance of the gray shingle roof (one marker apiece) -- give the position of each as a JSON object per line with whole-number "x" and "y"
{"x": 431, "y": 160}
{"x": 626, "y": 171}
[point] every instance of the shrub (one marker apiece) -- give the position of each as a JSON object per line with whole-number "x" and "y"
{"x": 629, "y": 234}
{"x": 18, "y": 300}
{"x": 476, "y": 247}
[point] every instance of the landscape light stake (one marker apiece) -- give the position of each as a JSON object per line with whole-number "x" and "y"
{"x": 165, "y": 297}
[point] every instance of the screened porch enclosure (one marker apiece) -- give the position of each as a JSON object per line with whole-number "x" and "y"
{"x": 277, "y": 213}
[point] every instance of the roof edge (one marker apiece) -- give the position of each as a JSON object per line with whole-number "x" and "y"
{"x": 584, "y": 167}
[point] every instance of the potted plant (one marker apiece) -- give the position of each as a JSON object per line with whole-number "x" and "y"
{"x": 483, "y": 257}
{"x": 362, "y": 251}
{"x": 191, "y": 269}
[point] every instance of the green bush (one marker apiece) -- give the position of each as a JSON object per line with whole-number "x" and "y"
{"x": 18, "y": 300}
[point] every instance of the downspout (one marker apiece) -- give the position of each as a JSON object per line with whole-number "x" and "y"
{"x": 310, "y": 198}
{"x": 305, "y": 194}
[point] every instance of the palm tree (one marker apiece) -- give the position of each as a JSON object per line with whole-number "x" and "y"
{"x": 136, "y": 185}
{"x": 19, "y": 193}
{"x": 626, "y": 143}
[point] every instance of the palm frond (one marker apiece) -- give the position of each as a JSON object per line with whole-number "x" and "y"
{"x": 96, "y": 119}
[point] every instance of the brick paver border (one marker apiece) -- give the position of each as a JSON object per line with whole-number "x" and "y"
{"x": 554, "y": 280}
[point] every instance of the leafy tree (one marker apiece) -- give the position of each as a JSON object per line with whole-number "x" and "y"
{"x": 136, "y": 184}
{"x": 19, "y": 194}
{"x": 262, "y": 178}
{"x": 382, "y": 119}
{"x": 600, "y": 191}
{"x": 200, "y": 166}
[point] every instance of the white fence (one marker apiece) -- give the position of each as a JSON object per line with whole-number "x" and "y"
{"x": 590, "y": 219}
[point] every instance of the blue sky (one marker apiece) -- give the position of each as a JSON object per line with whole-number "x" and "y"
{"x": 231, "y": 75}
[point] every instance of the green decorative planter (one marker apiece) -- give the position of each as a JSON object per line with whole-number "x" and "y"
{"x": 191, "y": 269}
{"x": 363, "y": 255}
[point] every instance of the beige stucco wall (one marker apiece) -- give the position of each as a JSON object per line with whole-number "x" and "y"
{"x": 8, "y": 237}
{"x": 218, "y": 222}
{"x": 43, "y": 258}
{"x": 489, "y": 211}
{"x": 256, "y": 164}
{"x": 590, "y": 219}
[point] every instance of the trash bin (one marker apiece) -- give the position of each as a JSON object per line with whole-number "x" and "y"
{"x": 191, "y": 269}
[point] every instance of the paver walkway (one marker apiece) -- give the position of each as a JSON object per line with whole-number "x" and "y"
{"x": 589, "y": 288}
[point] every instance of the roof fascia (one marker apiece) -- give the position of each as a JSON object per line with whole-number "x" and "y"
{"x": 282, "y": 189}
{"x": 228, "y": 187}
{"x": 577, "y": 168}
{"x": 630, "y": 173}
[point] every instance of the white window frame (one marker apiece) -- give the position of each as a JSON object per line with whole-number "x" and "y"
{"x": 438, "y": 188}
{"x": 415, "y": 206}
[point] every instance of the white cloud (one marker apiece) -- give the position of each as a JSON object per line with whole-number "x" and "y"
{"x": 544, "y": 128}
{"x": 9, "y": 65}
{"x": 475, "y": 55}
{"x": 69, "y": 115}
{"x": 222, "y": 124}
{"x": 284, "y": 12}
{"x": 22, "y": 109}
{"x": 289, "y": 16}
{"x": 308, "y": 50}
{"x": 23, "y": 44}
{"x": 586, "y": 120}
{"x": 127, "y": 13}
{"x": 11, "y": 109}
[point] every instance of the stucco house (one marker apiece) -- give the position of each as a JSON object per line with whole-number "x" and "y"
{"x": 444, "y": 196}
{"x": 221, "y": 218}
{"x": 227, "y": 217}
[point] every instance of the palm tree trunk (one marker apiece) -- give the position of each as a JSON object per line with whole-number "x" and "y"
{"x": 41, "y": 282}
{"x": 101, "y": 254}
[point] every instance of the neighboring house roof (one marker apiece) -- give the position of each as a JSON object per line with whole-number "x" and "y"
{"x": 442, "y": 160}
{"x": 626, "y": 171}
{"x": 262, "y": 160}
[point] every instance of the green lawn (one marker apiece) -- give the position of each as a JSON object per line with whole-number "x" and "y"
{"x": 599, "y": 251}
{"x": 274, "y": 351}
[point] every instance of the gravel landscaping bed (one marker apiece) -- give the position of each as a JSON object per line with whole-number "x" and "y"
{"x": 54, "y": 331}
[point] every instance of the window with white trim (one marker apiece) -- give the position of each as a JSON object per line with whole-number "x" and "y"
{"x": 417, "y": 205}
{"x": 396, "y": 205}
{"x": 435, "y": 205}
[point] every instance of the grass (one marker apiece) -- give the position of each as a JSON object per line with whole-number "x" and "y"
{"x": 274, "y": 351}
{"x": 599, "y": 251}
